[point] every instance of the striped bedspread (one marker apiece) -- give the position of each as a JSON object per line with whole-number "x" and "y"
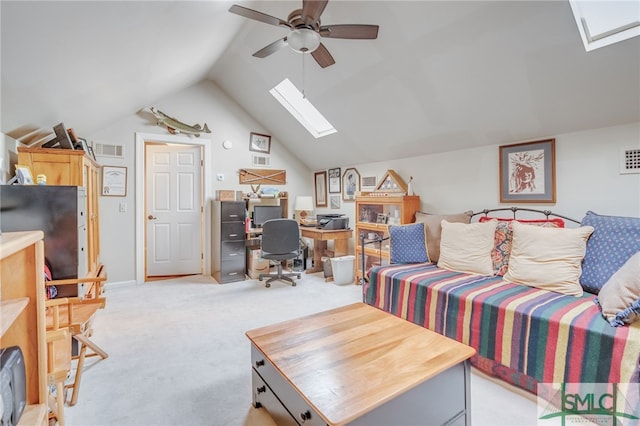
{"x": 522, "y": 335}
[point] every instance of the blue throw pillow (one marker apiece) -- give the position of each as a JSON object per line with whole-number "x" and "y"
{"x": 408, "y": 243}
{"x": 614, "y": 240}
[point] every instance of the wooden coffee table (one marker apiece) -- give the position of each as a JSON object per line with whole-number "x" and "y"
{"x": 359, "y": 365}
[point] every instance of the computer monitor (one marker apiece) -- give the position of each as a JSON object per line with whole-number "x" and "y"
{"x": 261, "y": 214}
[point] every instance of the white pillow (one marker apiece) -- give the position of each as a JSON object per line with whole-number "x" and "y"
{"x": 466, "y": 247}
{"x": 621, "y": 293}
{"x": 548, "y": 258}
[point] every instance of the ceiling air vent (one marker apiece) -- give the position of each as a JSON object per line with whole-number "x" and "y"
{"x": 108, "y": 150}
{"x": 260, "y": 161}
{"x": 629, "y": 160}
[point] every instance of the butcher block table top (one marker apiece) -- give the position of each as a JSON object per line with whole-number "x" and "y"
{"x": 348, "y": 361}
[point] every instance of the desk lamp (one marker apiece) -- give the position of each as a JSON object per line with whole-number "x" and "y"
{"x": 303, "y": 205}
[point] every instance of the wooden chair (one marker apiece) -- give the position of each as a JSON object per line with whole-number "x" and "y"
{"x": 77, "y": 315}
{"x": 58, "y": 358}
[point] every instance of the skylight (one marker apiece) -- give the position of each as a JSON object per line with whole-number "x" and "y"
{"x": 602, "y": 23}
{"x": 300, "y": 107}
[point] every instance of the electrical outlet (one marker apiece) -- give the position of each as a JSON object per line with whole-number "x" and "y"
{"x": 123, "y": 207}
{"x": 220, "y": 177}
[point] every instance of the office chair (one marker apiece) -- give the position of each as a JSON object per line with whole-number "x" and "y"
{"x": 280, "y": 241}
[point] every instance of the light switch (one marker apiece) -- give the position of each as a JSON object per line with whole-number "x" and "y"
{"x": 123, "y": 207}
{"x": 220, "y": 176}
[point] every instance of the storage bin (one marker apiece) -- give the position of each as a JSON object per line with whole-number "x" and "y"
{"x": 343, "y": 269}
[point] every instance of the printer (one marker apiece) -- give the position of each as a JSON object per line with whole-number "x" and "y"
{"x": 332, "y": 221}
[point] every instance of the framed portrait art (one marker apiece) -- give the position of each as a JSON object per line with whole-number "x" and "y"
{"x": 528, "y": 172}
{"x": 320, "y": 179}
{"x": 259, "y": 143}
{"x": 350, "y": 184}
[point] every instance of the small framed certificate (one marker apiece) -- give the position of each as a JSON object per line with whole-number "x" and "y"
{"x": 114, "y": 181}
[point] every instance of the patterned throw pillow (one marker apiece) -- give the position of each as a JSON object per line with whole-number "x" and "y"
{"x": 408, "y": 243}
{"x": 504, "y": 238}
{"x": 619, "y": 298}
{"x": 615, "y": 239}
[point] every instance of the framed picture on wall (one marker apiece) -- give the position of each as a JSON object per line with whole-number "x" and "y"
{"x": 259, "y": 143}
{"x": 334, "y": 180}
{"x": 334, "y": 201}
{"x": 528, "y": 172}
{"x": 350, "y": 184}
{"x": 114, "y": 181}
{"x": 321, "y": 188}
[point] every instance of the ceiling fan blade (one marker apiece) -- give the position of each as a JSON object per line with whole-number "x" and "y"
{"x": 312, "y": 9}
{"x": 322, "y": 56}
{"x": 258, "y": 16}
{"x": 271, "y": 48}
{"x": 351, "y": 31}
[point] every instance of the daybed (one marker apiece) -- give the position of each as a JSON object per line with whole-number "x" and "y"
{"x": 523, "y": 334}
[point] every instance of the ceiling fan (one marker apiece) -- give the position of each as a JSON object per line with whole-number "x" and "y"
{"x": 305, "y": 31}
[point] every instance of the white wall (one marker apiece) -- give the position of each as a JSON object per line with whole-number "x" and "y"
{"x": 587, "y": 171}
{"x": 587, "y": 176}
{"x": 203, "y": 102}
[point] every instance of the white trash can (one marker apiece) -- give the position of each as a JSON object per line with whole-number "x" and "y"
{"x": 343, "y": 269}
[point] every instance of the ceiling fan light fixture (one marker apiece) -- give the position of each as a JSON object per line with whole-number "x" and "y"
{"x": 303, "y": 40}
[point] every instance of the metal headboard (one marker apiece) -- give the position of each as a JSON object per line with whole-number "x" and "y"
{"x": 546, "y": 213}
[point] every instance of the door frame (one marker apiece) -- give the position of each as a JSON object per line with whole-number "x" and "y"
{"x": 140, "y": 141}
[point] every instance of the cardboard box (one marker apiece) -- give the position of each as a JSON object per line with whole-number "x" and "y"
{"x": 256, "y": 265}
{"x": 228, "y": 195}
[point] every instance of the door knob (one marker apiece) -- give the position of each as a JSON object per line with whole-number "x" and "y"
{"x": 151, "y": 217}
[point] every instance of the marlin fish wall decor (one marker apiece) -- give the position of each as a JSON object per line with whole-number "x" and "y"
{"x": 174, "y": 125}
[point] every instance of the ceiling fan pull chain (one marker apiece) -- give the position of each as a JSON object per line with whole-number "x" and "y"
{"x": 304, "y": 96}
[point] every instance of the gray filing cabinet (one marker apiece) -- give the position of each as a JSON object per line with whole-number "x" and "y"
{"x": 228, "y": 241}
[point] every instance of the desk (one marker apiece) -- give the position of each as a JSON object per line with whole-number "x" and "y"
{"x": 320, "y": 238}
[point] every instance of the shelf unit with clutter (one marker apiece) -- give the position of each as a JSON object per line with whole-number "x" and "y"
{"x": 387, "y": 205}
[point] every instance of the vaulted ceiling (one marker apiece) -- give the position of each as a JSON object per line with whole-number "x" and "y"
{"x": 441, "y": 76}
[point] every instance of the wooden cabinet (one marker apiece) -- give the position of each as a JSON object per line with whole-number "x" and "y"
{"x": 22, "y": 316}
{"x": 374, "y": 214}
{"x": 228, "y": 241}
{"x": 70, "y": 167}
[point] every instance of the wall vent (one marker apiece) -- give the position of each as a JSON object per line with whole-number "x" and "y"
{"x": 369, "y": 181}
{"x": 108, "y": 150}
{"x": 260, "y": 160}
{"x": 629, "y": 160}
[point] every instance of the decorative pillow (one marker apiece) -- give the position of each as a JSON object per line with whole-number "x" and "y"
{"x": 408, "y": 243}
{"x": 615, "y": 239}
{"x": 466, "y": 247}
{"x": 619, "y": 298}
{"x": 504, "y": 237}
{"x": 433, "y": 229}
{"x": 548, "y": 258}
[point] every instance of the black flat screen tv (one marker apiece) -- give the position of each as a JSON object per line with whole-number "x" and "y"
{"x": 261, "y": 214}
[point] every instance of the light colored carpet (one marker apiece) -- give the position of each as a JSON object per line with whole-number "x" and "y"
{"x": 178, "y": 354}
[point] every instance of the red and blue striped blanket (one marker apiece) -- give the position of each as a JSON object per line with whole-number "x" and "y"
{"x": 522, "y": 335}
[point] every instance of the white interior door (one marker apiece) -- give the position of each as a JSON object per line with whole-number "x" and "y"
{"x": 174, "y": 209}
